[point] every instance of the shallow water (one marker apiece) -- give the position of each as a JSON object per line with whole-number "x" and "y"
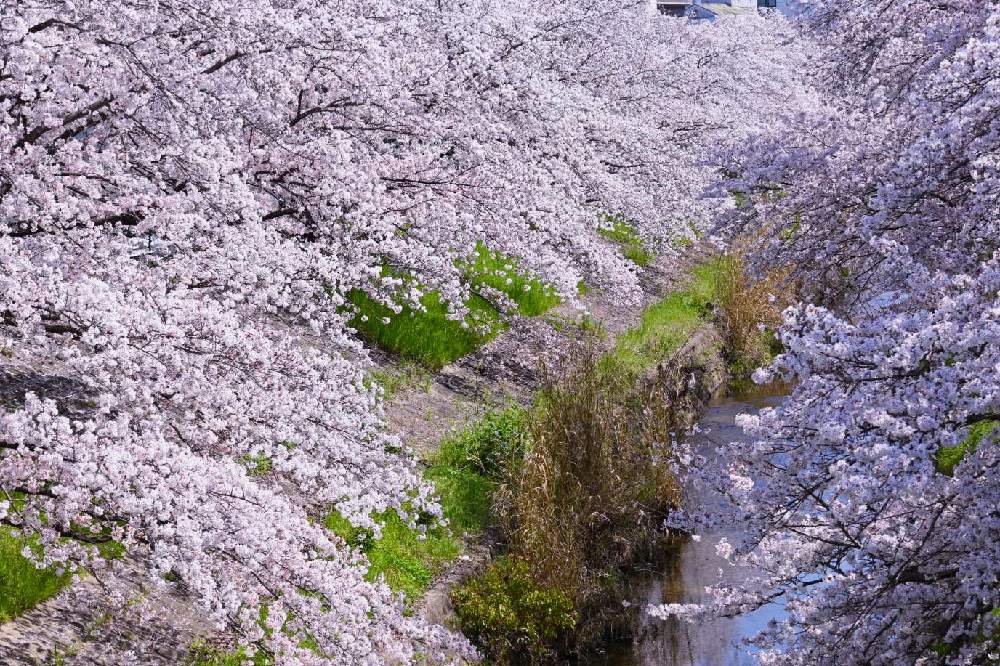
{"x": 682, "y": 575}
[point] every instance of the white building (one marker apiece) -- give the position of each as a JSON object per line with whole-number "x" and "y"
{"x": 710, "y": 9}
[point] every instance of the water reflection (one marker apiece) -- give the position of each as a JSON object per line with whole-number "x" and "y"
{"x": 687, "y": 568}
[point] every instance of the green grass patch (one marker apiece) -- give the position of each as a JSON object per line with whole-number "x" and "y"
{"x": 666, "y": 325}
{"x": 464, "y": 495}
{"x": 407, "y": 557}
{"x": 488, "y": 445}
{"x": 22, "y": 586}
{"x": 428, "y": 337}
{"x": 465, "y": 471}
{"x": 626, "y": 236}
{"x": 949, "y": 457}
{"x": 497, "y": 270}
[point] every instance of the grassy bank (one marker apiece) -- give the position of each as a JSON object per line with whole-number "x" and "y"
{"x": 429, "y": 335}
{"x": 469, "y": 467}
{"x": 406, "y": 557}
{"x": 666, "y": 324}
{"x": 589, "y": 491}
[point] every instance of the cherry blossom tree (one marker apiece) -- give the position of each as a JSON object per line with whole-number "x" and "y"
{"x": 870, "y": 496}
{"x": 188, "y": 191}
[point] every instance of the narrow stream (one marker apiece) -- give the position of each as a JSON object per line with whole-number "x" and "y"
{"x": 683, "y": 575}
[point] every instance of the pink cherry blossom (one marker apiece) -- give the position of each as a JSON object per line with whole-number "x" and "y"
{"x": 883, "y": 196}
{"x": 189, "y": 189}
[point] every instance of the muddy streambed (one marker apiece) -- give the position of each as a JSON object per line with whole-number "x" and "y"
{"x": 681, "y": 575}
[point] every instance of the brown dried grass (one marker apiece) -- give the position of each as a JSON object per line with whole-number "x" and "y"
{"x": 596, "y": 482}
{"x": 748, "y": 308}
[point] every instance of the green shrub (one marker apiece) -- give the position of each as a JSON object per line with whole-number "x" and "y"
{"x": 489, "y": 445}
{"x": 470, "y": 464}
{"x": 625, "y": 235}
{"x": 22, "y": 586}
{"x": 407, "y": 557}
{"x": 511, "y": 618}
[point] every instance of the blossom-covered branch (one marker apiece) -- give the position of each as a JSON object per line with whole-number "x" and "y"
{"x": 870, "y": 494}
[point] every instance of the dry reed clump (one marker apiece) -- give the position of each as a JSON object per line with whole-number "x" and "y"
{"x": 749, "y": 310}
{"x": 596, "y": 483}
{"x": 585, "y": 501}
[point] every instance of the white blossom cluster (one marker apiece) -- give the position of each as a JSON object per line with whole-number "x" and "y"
{"x": 188, "y": 189}
{"x": 885, "y": 199}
